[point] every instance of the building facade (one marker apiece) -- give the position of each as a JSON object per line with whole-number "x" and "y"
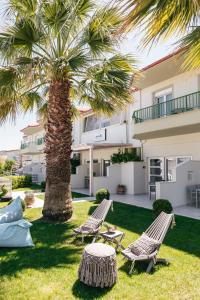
{"x": 162, "y": 125}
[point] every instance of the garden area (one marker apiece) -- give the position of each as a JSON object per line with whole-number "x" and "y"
{"x": 49, "y": 270}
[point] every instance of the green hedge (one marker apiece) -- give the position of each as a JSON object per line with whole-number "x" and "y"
{"x": 21, "y": 181}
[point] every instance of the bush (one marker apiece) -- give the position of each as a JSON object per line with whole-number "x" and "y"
{"x": 125, "y": 156}
{"x": 160, "y": 205}
{"x": 20, "y": 181}
{"x": 102, "y": 194}
{"x": 43, "y": 186}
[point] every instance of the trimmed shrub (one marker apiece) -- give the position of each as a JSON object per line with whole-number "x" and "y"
{"x": 160, "y": 205}
{"x": 21, "y": 181}
{"x": 43, "y": 186}
{"x": 102, "y": 194}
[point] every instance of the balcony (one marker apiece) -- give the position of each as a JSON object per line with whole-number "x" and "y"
{"x": 174, "y": 117}
{"x": 32, "y": 147}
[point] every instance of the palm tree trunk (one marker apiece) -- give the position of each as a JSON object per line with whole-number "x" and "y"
{"x": 58, "y": 140}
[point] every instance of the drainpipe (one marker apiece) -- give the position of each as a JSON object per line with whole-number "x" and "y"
{"x": 91, "y": 178}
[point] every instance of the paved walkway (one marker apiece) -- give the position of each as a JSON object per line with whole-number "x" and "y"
{"x": 143, "y": 201}
{"x": 137, "y": 200}
{"x": 38, "y": 202}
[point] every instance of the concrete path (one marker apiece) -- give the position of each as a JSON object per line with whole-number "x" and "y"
{"x": 137, "y": 200}
{"x": 38, "y": 202}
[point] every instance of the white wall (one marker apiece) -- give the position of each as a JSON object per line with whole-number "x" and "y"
{"x": 176, "y": 192}
{"x": 77, "y": 180}
{"x": 114, "y": 134}
{"x": 181, "y": 84}
{"x": 130, "y": 174}
{"x": 181, "y": 145}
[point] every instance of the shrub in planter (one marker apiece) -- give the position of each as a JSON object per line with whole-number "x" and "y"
{"x": 160, "y": 205}
{"x": 43, "y": 186}
{"x": 102, "y": 194}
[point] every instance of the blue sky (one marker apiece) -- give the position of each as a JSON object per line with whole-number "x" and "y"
{"x": 10, "y": 135}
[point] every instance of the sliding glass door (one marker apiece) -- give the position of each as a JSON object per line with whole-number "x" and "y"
{"x": 156, "y": 170}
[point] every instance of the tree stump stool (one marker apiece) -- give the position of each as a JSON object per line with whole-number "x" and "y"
{"x": 98, "y": 267}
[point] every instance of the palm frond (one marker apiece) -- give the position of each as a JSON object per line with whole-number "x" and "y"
{"x": 161, "y": 17}
{"x": 23, "y": 8}
{"x": 100, "y": 33}
{"x": 108, "y": 85}
{"x": 191, "y": 44}
{"x": 20, "y": 38}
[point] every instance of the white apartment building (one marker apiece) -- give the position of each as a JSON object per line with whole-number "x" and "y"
{"x": 167, "y": 123}
{"x": 32, "y": 146}
{"x": 163, "y": 123}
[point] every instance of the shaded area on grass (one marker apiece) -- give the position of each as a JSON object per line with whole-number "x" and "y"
{"x": 50, "y": 250}
{"x": 50, "y": 269}
{"x": 184, "y": 236}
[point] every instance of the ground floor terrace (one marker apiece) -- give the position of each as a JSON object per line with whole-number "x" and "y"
{"x": 142, "y": 201}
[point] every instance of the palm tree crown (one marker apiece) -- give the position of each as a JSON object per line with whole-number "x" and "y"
{"x": 63, "y": 39}
{"x": 63, "y": 51}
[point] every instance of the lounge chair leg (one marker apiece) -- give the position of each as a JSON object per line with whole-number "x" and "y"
{"x": 132, "y": 267}
{"x": 94, "y": 239}
{"x": 162, "y": 260}
{"x": 150, "y": 266}
{"x": 82, "y": 238}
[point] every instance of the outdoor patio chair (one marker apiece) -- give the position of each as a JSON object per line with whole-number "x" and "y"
{"x": 146, "y": 248}
{"x": 95, "y": 221}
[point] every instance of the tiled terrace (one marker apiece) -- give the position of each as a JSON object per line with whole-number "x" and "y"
{"x": 143, "y": 201}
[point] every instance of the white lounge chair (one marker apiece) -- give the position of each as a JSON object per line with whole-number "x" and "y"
{"x": 146, "y": 248}
{"x": 95, "y": 221}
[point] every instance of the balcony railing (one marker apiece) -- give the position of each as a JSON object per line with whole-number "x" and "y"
{"x": 171, "y": 107}
{"x": 32, "y": 145}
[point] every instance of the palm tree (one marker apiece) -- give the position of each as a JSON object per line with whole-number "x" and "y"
{"x": 167, "y": 18}
{"x": 54, "y": 54}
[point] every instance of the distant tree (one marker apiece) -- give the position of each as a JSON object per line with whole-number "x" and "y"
{"x": 9, "y": 165}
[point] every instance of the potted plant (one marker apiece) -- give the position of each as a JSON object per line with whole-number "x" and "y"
{"x": 121, "y": 189}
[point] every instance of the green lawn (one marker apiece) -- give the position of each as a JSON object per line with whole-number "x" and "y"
{"x": 31, "y": 188}
{"x": 49, "y": 270}
{"x": 74, "y": 195}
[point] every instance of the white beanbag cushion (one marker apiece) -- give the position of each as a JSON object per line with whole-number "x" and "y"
{"x": 16, "y": 234}
{"x": 12, "y": 212}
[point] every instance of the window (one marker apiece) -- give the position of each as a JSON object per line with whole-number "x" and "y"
{"x": 171, "y": 165}
{"x": 91, "y": 123}
{"x": 161, "y": 98}
{"x": 156, "y": 170}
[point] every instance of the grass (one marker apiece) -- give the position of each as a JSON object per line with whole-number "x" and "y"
{"x": 49, "y": 270}
{"x": 74, "y": 195}
{"x": 33, "y": 187}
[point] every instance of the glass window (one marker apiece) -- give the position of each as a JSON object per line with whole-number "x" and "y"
{"x": 91, "y": 123}
{"x": 181, "y": 160}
